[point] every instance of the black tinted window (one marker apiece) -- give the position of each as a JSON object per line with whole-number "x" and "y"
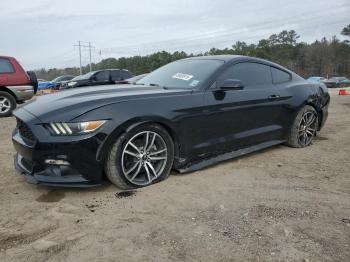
{"x": 66, "y": 78}
{"x": 102, "y": 76}
{"x": 126, "y": 74}
{"x": 115, "y": 75}
{"x": 5, "y": 66}
{"x": 251, "y": 74}
{"x": 279, "y": 76}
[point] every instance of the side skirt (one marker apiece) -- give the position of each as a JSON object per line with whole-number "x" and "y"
{"x": 203, "y": 163}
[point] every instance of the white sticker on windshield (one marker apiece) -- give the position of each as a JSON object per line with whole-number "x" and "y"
{"x": 194, "y": 83}
{"x": 182, "y": 76}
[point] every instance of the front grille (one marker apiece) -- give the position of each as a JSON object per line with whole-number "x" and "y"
{"x": 24, "y": 130}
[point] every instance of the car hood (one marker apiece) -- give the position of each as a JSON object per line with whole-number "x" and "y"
{"x": 69, "y": 104}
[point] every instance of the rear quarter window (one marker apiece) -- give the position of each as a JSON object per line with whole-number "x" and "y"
{"x": 279, "y": 76}
{"x": 5, "y": 66}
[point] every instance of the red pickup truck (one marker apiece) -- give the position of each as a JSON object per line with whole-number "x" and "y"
{"x": 16, "y": 85}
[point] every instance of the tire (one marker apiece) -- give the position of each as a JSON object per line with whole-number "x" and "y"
{"x": 33, "y": 80}
{"x": 306, "y": 122}
{"x": 7, "y": 104}
{"x": 130, "y": 167}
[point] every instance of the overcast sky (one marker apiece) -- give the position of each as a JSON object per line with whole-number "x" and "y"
{"x": 42, "y": 33}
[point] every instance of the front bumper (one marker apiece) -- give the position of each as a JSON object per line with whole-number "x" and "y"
{"x": 55, "y": 161}
{"x": 51, "y": 175}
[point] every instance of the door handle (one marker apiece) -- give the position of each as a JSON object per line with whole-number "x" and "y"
{"x": 273, "y": 97}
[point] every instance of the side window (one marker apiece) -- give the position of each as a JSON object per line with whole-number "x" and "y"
{"x": 5, "y": 66}
{"x": 279, "y": 76}
{"x": 115, "y": 75}
{"x": 253, "y": 75}
{"x": 125, "y": 74}
{"x": 102, "y": 76}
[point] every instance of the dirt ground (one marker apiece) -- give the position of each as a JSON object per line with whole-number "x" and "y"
{"x": 281, "y": 204}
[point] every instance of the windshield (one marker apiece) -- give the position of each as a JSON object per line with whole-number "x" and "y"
{"x": 57, "y": 79}
{"x": 189, "y": 73}
{"x": 86, "y": 76}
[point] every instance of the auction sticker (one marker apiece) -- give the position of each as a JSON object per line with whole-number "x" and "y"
{"x": 182, "y": 76}
{"x": 194, "y": 83}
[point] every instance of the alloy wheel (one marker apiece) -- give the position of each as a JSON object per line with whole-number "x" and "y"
{"x": 144, "y": 158}
{"x": 5, "y": 105}
{"x": 307, "y": 128}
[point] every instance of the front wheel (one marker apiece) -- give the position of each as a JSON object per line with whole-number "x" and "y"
{"x": 140, "y": 157}
{"x": 304, "y": 128}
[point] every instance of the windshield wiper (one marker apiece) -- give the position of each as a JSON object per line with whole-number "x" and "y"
{"x": 151, "y": 84}
{"x": 154, "y": 85}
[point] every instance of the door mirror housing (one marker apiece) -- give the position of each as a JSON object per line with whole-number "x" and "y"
{"x": 232, "y": 84}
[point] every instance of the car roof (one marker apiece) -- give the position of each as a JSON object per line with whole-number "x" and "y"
{"x": 232, "y": 58}
{"x": 225, "y": 58}
{"x": 4, "y": 56}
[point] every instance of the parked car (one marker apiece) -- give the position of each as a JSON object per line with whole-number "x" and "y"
{"x": 41, "y": 80}
{"x": 316, "y": 79}
{"x": 131, "y": 80}
{"x": 16, "y": 85}
{"x": 335, "y": 82}
{"x": 56, "y": 83}
{"x": 185, "y": 115}
{"x": 100, "y": 77}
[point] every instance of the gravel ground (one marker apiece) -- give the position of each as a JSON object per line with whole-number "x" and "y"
{"x": 281, "y": 204}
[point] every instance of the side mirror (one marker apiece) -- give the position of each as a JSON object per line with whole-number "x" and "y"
{"x": 232, "y": 84}
{"x": 94, "y": 78}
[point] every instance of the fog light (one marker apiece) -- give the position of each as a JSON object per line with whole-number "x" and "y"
{"x": 57, "y": 162}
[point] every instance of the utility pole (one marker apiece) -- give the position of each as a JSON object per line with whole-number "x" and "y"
{"x": 80, "y": 45}
{"x": 90, "y": 56}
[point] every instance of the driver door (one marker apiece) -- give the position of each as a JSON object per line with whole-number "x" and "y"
{"x": 240, "y": 118}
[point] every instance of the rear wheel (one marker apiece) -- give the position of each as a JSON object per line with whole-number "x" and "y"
{"x": 7, "y": 104}
{"x": 140, "y": 157}
{"x": 304, "y": 128}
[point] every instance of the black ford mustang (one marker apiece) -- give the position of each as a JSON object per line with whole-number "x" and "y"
{"x": 185, "y": 115}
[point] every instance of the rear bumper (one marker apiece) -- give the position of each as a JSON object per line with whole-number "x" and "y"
{"x": 23, "y": 92}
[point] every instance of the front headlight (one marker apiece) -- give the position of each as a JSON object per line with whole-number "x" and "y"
{"x": 72, "y": 83}
{"x": 67, "y": 129}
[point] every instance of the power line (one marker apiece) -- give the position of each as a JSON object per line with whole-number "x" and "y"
{"x": 80, "y": 45}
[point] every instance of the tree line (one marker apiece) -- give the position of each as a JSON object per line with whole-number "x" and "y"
{"x": 324, "y": 57}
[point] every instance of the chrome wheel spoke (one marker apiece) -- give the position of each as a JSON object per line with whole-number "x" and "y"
{"x": 152, "y": 169}
{"x": 158, "y": 158}
{"x": 152, "y": 142}
{"x": 131, "y": 153}
{"x": 310, "y": 120}
{"x": 157, "y": 152}
{"x": 148, "y": 173}
{"x": 144, "y": 158}
{"x": 132, "y": 168}
{"x": 146, "y": 141}
{"x": 308, "y": 131}
{"x": 137, "y": 171}
{"x": 135, "y": 147}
